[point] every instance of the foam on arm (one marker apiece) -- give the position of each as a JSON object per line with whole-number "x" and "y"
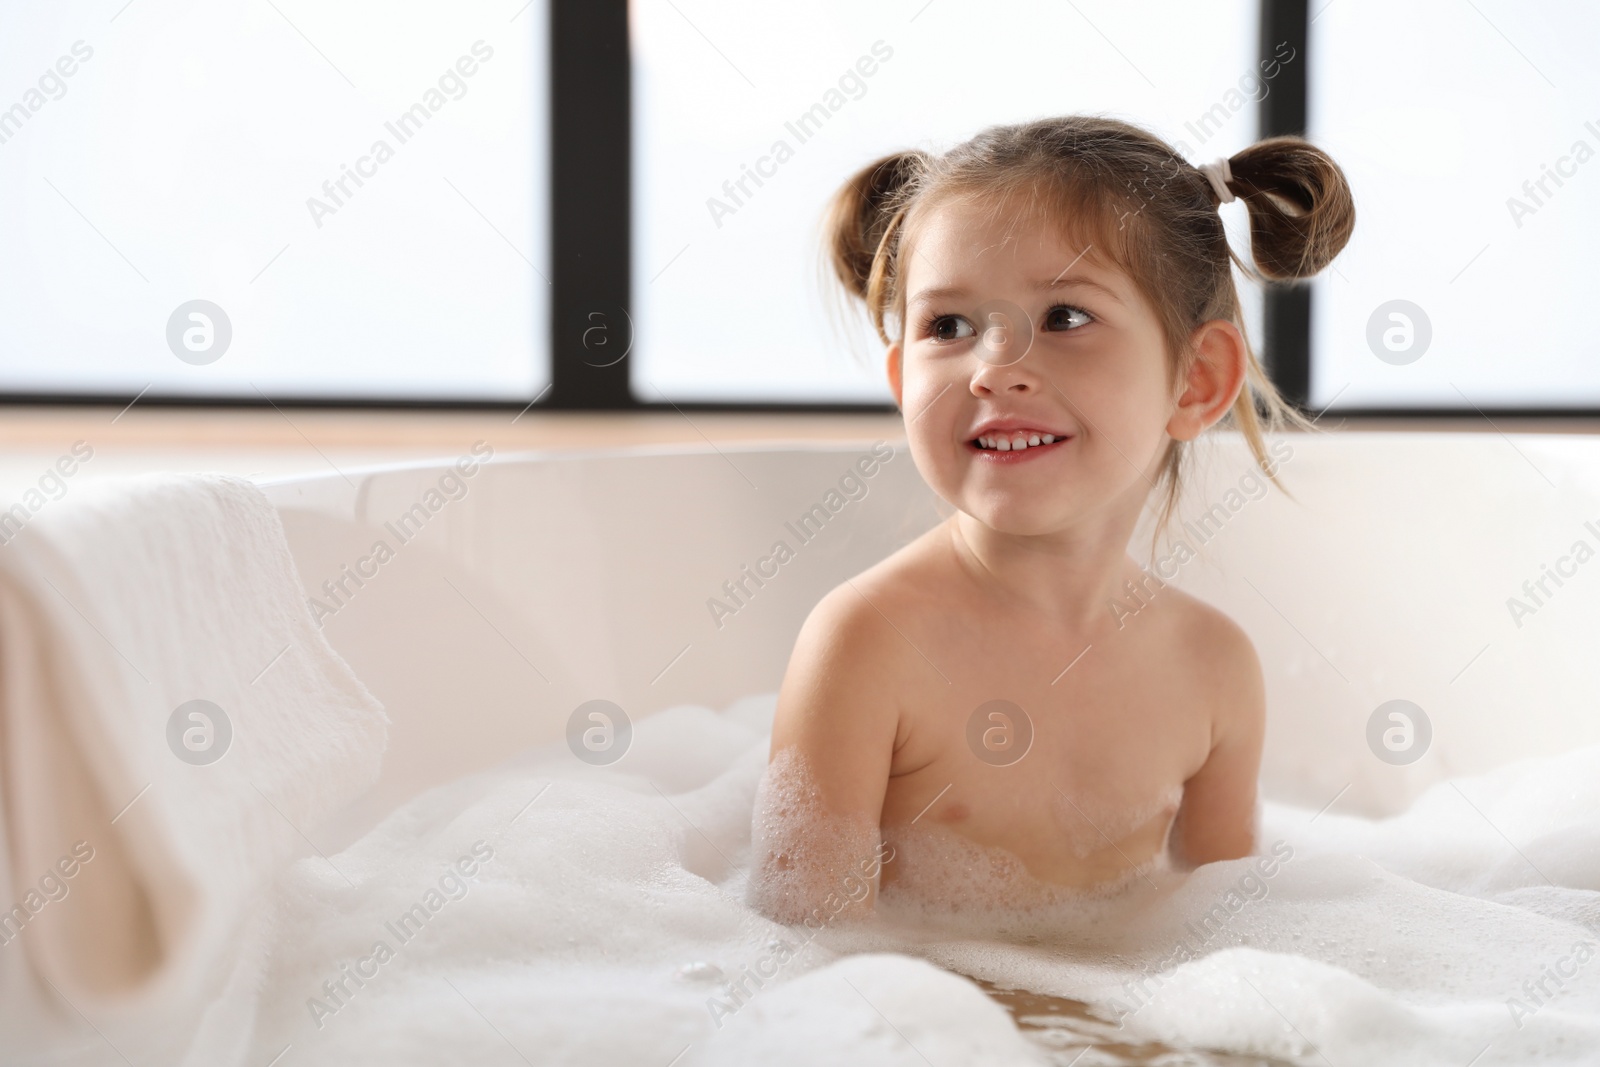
{"x": 815, "y": 828}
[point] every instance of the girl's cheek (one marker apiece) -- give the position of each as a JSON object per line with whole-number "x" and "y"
{"x": 927, "y": 395}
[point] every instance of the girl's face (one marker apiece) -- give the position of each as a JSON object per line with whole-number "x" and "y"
{"x": 1010, "y": 338}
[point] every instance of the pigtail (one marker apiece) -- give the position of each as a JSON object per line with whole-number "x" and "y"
{"x": 1301, "y": 217}
{"x": 1301, "y": 209}
{"x": 865, "y": 211}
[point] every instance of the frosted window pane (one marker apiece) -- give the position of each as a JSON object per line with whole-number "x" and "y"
{"x": 1446, "y": 117}
{"x": 736, "y": 310}
{"x": 176, "y": 163}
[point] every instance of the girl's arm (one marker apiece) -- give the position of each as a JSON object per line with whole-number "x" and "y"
{"x": 816, "y": 822}
{"x": 1217, "y": 818}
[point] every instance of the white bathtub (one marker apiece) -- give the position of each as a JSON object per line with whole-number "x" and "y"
{"x": 557, "y": 578}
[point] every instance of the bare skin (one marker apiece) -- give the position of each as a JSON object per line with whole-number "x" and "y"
{"x": 1147, "y": 731}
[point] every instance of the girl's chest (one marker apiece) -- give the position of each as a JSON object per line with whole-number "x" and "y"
{"x": 1098, "y": 747}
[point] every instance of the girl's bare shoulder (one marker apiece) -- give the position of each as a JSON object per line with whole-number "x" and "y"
{"x": 909, "y": 579}
{"x": 845, "y": 673}
{"x": 866, "y": 618}
{"x": 1219, "y": 654}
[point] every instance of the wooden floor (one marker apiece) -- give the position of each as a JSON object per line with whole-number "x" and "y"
{"x": 32, "y": 426}
{"x": 268, "y": 442}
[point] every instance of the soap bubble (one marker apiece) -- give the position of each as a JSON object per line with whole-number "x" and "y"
{"x": 699, "y": 971}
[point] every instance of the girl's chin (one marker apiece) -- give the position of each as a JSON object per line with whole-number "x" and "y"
{"x": 1019, "y": 521}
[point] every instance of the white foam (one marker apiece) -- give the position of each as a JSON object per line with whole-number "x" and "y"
{"x": 807, "y": 861}
{"x": 942, "y": 876}
{"x": 611, "y": 927}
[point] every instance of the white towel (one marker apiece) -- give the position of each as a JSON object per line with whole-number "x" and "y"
{"x": 137, "y": 867}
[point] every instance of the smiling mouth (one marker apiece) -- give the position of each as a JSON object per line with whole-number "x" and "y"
{"x": 1014, "y": 442}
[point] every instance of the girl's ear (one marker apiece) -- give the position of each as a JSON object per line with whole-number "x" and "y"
{"x": 894, "y": 371}
{"x": 1215, "y": 378}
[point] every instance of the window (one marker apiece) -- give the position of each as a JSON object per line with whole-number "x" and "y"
{"x": 254, "y": 199}
{"x": 1470, "y": 137}
{"x": 728, "y": 301}
{"x": 249, "y": 199}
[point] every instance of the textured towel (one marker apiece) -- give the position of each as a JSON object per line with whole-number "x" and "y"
{"x": 142, "y": 830}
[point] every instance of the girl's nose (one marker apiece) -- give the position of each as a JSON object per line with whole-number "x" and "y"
{"x": 1019, "y": 375}
{"x": 997, "y": 380}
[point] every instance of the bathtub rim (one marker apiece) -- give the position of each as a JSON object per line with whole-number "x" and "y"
{"x": 762, "y": 445}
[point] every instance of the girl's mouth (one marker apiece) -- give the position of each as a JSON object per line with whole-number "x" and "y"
{"x": 1014, "y": 448}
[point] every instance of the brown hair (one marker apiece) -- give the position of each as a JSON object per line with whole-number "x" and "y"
{"x": 1136, "y": 204}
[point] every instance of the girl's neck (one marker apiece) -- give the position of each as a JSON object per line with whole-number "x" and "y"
{"x": 1066, "y": 577}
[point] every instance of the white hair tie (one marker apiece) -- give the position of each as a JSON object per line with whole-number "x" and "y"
{"x": 1219, "y": 174}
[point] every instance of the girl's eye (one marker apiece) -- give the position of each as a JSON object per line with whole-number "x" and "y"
{"x": 949, "y": 328}
{"x": 1066, "y": 317}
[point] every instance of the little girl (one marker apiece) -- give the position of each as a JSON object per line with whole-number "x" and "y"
{"x": 968, "y": 714}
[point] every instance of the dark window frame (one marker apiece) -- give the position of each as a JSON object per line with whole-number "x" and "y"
{"x": 591, "y": 231}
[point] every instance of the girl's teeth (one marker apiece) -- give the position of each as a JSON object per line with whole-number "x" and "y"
{"x": 1016, "y": 444}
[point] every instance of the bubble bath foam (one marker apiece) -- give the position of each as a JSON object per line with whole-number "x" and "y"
{"x": 612, "y": 927}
